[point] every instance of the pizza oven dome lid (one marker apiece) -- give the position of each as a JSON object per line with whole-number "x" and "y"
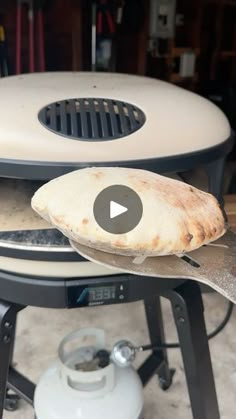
{"x": 68, "y": 116}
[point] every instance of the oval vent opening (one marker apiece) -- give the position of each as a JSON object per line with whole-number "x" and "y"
{"x": 92, "y": 119}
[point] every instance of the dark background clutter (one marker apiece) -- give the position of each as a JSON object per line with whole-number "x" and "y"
{"x": 189, "y": 43}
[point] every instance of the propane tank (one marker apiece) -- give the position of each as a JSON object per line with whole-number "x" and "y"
{"x": 85, "y": 383}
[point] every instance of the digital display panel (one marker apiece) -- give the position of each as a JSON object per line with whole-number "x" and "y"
{"x": 102, "y": 293}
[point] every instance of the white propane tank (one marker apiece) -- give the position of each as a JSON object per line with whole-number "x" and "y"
{"x": 76, "y": 387}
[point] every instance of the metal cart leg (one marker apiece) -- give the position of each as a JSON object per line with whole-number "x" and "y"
{"x": 188, "y": 311}
{"x": 20, "y": 385}
{"x": 11, "y": 400}
{"x": 13, "y": 341}
{"x": 157, "y": 338}
{"x": 8, "y": 313}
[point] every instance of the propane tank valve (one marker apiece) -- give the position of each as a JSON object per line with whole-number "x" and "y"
{"x": 124, "y": 353}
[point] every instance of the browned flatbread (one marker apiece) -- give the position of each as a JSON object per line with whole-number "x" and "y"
{"x": 177, "y": 217}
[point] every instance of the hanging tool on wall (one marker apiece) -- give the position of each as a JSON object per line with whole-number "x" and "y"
{"x": 120, "y": 10}
{"x": 94, "y": 36}
{"x": 34, "y": 9}
{"x": 118, "y": 18}
{"x": 105, "y": 20}
{"x": 103, "y": 30}
{"x": 3, "y": 52}
{"x": 39, "y": 4}
{"x": 31, "y": 36}
{"x": 105, "y": 33}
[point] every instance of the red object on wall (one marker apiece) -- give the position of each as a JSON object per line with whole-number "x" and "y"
{"x": 32, "y": 28}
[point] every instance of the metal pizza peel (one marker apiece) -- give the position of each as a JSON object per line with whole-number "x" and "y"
{"x": 213, "y": 264}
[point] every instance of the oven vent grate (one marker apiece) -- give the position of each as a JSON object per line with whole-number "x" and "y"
{"x": 92, "y": 119}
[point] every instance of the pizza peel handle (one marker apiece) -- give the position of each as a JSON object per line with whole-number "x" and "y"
{"x": 213, "y": 265}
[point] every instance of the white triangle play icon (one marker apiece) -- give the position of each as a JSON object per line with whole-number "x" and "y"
{"x": 116, "y": 209}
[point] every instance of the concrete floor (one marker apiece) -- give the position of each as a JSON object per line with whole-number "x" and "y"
{"x": 40, "y": 331}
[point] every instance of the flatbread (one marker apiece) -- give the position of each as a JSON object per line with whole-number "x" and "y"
{"x": 177, "y": 217}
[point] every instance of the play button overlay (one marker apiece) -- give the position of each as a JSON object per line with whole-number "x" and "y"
{"x": 118, "y": 209}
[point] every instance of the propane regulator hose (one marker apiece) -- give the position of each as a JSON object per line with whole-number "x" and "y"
{"x": 124, "y": 352}
{"x": 213, "y": 334}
